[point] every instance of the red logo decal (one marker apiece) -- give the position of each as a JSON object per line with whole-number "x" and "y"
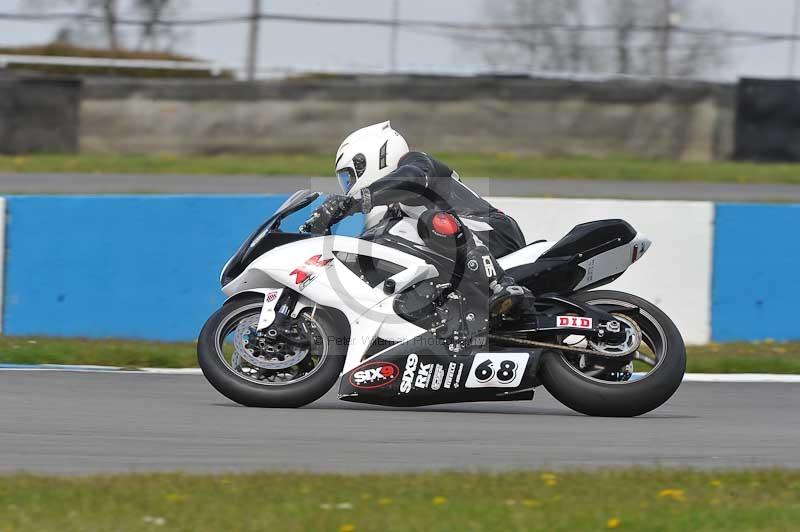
{"x": 271, "y": 297}
{"x": 574, "y": 322}
{"x": 305, "y": 273}
{"x": 374, "y": 375}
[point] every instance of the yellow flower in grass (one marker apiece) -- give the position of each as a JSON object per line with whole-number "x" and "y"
{"x": 549, "y": 479}
{"x": 674, "y": 494}
{"x": 439, "y": 500}
{"x": 532, "y": 503}
{"x": 383, "y": 501}
{"x": 715, "y": 483}
{"x": 347, "y": 528}
{"x": 614, "y": 522}
{"x": 175, "y": 497}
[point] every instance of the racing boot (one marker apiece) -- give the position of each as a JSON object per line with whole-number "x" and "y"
{"x": 507, "y": 297}
{"x": 486, "y": 274}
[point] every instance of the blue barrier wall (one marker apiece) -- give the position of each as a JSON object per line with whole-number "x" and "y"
{"x": 755, "y": 288}
{"x": 129, "y": 266}
{"x": 148, "y": 266}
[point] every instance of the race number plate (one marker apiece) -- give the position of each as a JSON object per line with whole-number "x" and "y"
{"x": 423, "y": 371}
{"x": 497, "y": 370}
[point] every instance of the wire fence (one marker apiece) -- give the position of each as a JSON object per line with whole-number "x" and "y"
{"x": 478, "y": 33}
{"x": 399, "y": 23}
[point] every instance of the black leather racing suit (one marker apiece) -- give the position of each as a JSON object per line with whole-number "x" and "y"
{"x": 421, "y": 183}
{"x": 423, "y": 188}
{"x": 451, "y": 219}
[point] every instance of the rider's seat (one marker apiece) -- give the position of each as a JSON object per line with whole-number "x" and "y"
{"x": 590, "y": 236}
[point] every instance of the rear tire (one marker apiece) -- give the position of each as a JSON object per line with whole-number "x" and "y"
{"x": 239, "y": 389}
{"x": 618, "y": 399}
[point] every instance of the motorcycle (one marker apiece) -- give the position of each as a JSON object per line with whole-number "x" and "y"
{"x": 393, "y": 321}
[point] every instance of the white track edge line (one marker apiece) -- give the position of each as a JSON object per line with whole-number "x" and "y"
{"x": 689, "y": 377}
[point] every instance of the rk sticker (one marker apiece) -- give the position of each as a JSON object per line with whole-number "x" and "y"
{"x": 415, "y": 375}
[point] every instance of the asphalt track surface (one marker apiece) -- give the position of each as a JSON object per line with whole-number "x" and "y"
{"x": 58, "y": 422}
{"x": 556, "y": 188}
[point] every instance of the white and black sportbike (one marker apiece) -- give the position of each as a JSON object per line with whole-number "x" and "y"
{"x": 392, "y": 323}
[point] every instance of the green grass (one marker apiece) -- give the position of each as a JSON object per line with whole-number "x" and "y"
{"x": 758, "y": 357}
{"x": 755, "y": 357}
{"x": 126, "y": 353}
{"x": 628, "y": 499}
{"x": 468, "y": 165}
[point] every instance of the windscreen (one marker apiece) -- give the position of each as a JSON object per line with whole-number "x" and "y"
{"x": 297, "y": 201}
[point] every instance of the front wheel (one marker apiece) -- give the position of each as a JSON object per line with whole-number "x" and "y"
{"x": 287, "y": 366}
{"x": 601, "y": 386}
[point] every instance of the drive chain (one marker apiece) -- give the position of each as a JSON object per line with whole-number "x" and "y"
{"x": 559, "y": 347}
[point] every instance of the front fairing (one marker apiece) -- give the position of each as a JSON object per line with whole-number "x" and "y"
{"x": 267, "y": 236}
{"x": 250, "y": 251}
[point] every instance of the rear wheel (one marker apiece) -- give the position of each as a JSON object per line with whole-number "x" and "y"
{"x": 630, "y": 386}
{"x": 289, "y": 366}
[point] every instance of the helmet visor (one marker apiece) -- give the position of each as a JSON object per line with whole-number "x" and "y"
{"x": 347, "y": 178}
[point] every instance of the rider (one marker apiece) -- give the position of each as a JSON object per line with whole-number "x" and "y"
{"x": 376, "y": 169}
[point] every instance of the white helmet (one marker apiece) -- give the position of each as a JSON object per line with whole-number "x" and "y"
{"x": 367, "y": 155}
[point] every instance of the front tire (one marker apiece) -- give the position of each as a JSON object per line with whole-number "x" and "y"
{"x": 596, "y": 397}
{"x": 243, "y": 384}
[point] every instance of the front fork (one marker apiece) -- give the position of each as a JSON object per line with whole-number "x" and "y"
{"x": 279, "y": 306}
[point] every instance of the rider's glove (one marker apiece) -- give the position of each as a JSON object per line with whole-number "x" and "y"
{"x": 366, "y": 200}
{"x": 333, "y": 210}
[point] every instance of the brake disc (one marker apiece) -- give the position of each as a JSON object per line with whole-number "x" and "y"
{"x": 269, "y": 360}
